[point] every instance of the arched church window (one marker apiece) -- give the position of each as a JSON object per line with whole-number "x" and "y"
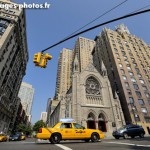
{"x": 92, "y": 86}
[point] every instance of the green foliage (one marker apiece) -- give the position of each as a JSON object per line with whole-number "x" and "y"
{"x": 24, "y": 128}
{"x": 38, "y": 124}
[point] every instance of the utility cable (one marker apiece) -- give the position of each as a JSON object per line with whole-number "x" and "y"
{"x": 97, "y": 18}
{"x": 139, "y": 9}
{"x": 104, "y": 23}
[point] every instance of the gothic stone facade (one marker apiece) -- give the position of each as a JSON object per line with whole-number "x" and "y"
{"x": 90, "y": 102}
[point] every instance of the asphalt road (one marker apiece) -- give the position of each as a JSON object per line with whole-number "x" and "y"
{"x": 106, "y": 144}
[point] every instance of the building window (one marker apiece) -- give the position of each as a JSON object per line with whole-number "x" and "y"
{"x": 145, "y": 71}
{"x": 130, "y": 54}
{"x": 144, "y": 110}
{"x": 133, "y": 60}
{"x": 129, "y": 92}
{"x": 144, "y": 88}
{"x": 117, "y": 55}
{"x": 131, "y": 74}
{"x": 129, "y": 68}
{"x": 139, "y": 75}
{"x": 126, "y": 62}
{"x": 131, "y": 100}
{"x": 147, "y": 119}
{"x": 118, "y": 59}
{"x": 113, "y": 41}
{"x": 124, "y": 77}
{"x": 122, "y": 71}
{"x": 138, "y": 93}
{"x": 115, "y": 49}
{"x": 114, "y": 45}
{"x": 137, "y": 117}
{"x": 136, "y": 87}
{"x": 120, "y": 65}
{"x": 123, "y": 53}
{"x": 137, "y": 70}
{"x": 122, "y": 49}
{"x": 125, "y": 57}
{"x": 127, "y": 84}
{"x": 133, "y": 79}
{"x": 142, "y": 81}
{"x": 147, "y": 95}
{"x": 141, "y": 102}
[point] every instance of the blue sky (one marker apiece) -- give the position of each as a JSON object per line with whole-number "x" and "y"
{"x": 48, "y": 26}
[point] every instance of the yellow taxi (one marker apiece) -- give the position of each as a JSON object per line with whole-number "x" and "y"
{"x": 3, "y": 137}
{"x": 67, "y": 130}
{"x": 23, "y": 137}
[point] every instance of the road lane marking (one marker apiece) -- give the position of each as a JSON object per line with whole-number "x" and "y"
{"x": 128, "y": 144}
{"x": 63, "y": 147}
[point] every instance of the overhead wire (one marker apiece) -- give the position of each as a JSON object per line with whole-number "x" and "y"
{"x": 97, "y": 18}
{"x": 104, "y": 23}
{"x": 139, "y": 9}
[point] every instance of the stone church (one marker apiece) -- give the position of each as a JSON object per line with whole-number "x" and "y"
{"x": 90, "y": 100}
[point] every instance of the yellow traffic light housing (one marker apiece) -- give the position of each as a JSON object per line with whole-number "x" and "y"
{"x": 37, "y": 58}
{"x": 41, "y": 59}
{"x": 43, "y": 62}
{"x": 47, "y": 56}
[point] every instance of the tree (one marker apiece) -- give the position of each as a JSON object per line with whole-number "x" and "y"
{"x": 38, "y": 124}
{"x": 24, "y": 128}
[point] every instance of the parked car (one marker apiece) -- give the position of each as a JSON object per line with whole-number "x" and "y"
{"x": 69, "y": 131}
{"x": 130, "y": 130}
{"x": 15, "y": 137}
{"x": 23, "y": 137}
{"x": 3, "y": 137}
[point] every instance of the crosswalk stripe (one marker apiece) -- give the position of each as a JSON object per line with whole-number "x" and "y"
{"x": 128, "y": 144}
{"x": 63, "y": 147}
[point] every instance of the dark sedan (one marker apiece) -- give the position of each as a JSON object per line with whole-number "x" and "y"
{"x": 129, "y": 130}
{"x": 15, "y": 137}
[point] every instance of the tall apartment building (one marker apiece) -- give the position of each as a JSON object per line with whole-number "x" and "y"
{"x": 64, "y": 72}
{"x": 13, "y": 61}
{"x": 127, "y": 59}
{"x": 44, "y": 116}
{"x": 26, "y": 94}
{"x": 82, "y": 50}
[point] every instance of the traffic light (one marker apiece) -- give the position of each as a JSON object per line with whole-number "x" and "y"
{"x": 41, "y": 59}
{"x": 43, "y": 62}
{"x": 47, "y": 56}
{"x": 37, "y": 58}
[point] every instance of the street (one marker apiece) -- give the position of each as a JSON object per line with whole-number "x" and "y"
{"x": 106, "y": 144}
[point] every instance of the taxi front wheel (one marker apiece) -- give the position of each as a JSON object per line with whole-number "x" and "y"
{"x": 95, "y": 137}
{"x": 55, "y": 138}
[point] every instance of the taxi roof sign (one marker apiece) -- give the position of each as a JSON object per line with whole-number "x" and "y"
{"x": 67, "y": 120}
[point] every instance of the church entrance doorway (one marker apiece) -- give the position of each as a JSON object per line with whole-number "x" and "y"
{"x": 102, "y": 123}
{"x": 91, "y": 124}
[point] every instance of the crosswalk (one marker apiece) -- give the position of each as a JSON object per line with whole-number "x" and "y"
{"x": 123, "y": 143}
{"x": 67, "y": 148}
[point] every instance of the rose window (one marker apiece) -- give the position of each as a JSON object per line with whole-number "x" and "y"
{"x": 92, "y": 86}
